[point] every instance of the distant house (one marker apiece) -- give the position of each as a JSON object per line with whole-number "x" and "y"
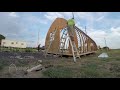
{"x": 106, "y": 47}
{"x": 11, "y": 43}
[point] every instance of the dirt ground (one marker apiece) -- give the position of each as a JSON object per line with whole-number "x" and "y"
{"x": 56, "y": 67}
{"x": 15, "y": 64}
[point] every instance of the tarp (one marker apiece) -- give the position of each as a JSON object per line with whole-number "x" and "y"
{"x": 103, "y": 55}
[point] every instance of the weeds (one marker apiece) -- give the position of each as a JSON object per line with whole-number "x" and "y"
{"x": 58, "y": 73}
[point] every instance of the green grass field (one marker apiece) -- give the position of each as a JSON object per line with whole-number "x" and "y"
{"x": 88, "y": 67}
{"x": 10, "y": 49}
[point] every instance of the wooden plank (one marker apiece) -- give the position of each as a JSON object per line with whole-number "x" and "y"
{"x": 35, "y": 68}
{"x": 72, "y": 55}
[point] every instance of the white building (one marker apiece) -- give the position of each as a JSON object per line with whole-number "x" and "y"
{"x": 11, "y": 43}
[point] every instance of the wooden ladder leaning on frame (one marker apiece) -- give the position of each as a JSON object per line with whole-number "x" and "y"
{"x": 75, "y": 52}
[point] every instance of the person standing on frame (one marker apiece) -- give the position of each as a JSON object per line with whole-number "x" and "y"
{"x": 71, "y": 26}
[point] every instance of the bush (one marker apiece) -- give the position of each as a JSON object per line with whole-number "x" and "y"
{"x": 28, "y": 50}
{"x": 17, "y": 50}
{"x": 89, "y": 70}
{"x": 58, "y": 73}
{"x": 1, "y": 66}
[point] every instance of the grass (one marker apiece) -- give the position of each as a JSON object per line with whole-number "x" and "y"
{"x": 88, "y": 67}
{"x": 58, "y": 73}
{"x": 1, "y": 67}
{"x": 9, "y": 49}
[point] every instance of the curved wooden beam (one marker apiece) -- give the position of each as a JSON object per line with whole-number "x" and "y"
{"x": 59, "y": 24}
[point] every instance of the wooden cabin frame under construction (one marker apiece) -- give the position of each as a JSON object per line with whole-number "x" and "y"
{"x": 58, "y": 42}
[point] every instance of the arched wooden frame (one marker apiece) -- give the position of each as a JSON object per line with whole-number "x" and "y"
{"x": 81, "y": 39}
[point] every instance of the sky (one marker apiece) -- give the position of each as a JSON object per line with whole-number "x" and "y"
{"x": 24, "y": 26}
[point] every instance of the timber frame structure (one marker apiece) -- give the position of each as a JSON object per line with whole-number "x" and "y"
{"x": 57, "y": 40}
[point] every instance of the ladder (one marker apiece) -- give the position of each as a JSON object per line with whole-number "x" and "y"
{"x": 62, "y": 42}
{"x": 74, "y": 49}
{"x": 51, "y": 40}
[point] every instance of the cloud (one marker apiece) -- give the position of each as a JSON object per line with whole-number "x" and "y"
{"x": 24, "y": 26}
{"x": 115, "y": 30}
{"x": 53, "y": 15}
{"x": 8, "y": 24}
{"x": 13, "y": 14}
{"x": 99, "y": 26}
{"x": 36, "y": 20}
{"x": 100, "y": 18}
{"x": 67, "y": 15}
{"x": 112, "y": 37}
{"x": 98, "y": 34}
{"x": 34, "y": 43}
{"x": 21, "y": 26}
{"x": 12, "y": 28}
{"x": 84, "y": 15}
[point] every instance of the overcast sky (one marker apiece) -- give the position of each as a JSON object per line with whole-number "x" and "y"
{"x": 24, "y": 26}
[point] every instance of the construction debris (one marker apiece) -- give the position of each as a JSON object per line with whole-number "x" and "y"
{"x": 18, "y": 57}
{"x": 40, "y": 61}
{"x": 103, "y": 55}
{"x": 36, "y": 68}
{"x": 29, "y": 57}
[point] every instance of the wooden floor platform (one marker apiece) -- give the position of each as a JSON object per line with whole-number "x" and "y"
{"x": 70, "y": 55}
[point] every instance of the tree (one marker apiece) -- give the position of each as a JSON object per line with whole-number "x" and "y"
{"x": 2, "y": 37}
{"x": 106, "y": 48}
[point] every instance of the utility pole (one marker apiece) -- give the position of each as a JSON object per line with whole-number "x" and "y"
{"x": 105, "y": 42}
{"x": 106, "y": 45}
{"x": 38, "y": 41}
{"x": 73, "y": 14}
{"x": 38, "y": 36}
{"x": 85, "y": 30}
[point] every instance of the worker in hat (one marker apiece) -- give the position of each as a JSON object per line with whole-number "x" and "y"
{"x": 71, "y": 25}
